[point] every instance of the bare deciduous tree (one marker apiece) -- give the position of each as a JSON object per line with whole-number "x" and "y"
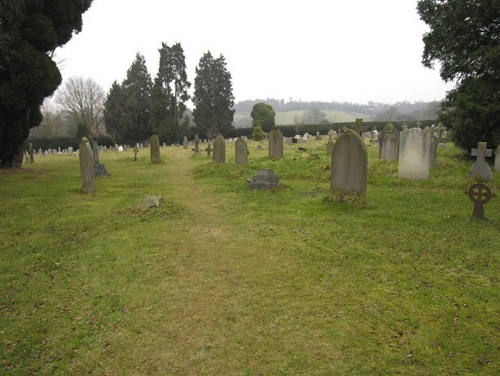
{"x": 84, "y": 99}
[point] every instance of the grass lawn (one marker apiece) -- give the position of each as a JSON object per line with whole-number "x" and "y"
{"x": 223, "y": 280}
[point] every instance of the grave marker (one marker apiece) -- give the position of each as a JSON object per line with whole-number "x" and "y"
{"x": 414, "y": 154}
{"x": 241, "y": 151}
{"x": 480, "y": 170}
{"x": 154, "y": 148}
{"x": 275, "y": 144}
{"x": 86, "y": 166}
{"x": 219, "y": 150}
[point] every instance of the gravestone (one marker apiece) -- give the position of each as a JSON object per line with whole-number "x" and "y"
{"x": 480, "y": 195}
{"x": 209, "y": 148}
{"x": 359, "y": 126}
{"x": 196, "y": 145}
{"x": 480, "y": 170}
{"x": 99, "y": 169}
{"x": 434, "y": 145}
{"x": 154, "y": 149}
{"x": 185, "y": 142}
{"x": 275, "y": 144}
{"x": 241, "y": 151}
{"x": 414, "y": 154}
{"x": 388, "y": 141}
{"x": 265, "y": 179}
{"x": 349, "y": 164}
{"x": 30, "y": 151}
{"x": 219, "y": 150}
{"x": 329, "y": 147}
{"x": 497, "y": 159}
{"x": 86, "y": 166}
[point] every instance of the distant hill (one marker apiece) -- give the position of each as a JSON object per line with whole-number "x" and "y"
{"x": 294, "y": 112}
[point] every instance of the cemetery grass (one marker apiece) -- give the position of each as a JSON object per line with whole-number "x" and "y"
{"x": 225, "y": 280}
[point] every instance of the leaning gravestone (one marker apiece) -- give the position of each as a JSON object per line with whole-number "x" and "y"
{"x": 154, "y": 148}
{"x": 388, "y": 141}
{"x": 241, "y": 151}
{"x": 275, "y": 144}
{"x": 414, "y": 154}
{"x": 86, "y": 166}
{"x": 349, "y": 164}
{"x": 219, "y": 155}
{"x": 480, "y": 170}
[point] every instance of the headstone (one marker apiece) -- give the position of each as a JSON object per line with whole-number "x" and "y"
{"x": 196, "y": 145}
{"x": 86, "y": 166}
{"x": 388, "y": 141}
{"x": 152, "y": 201}
{"x": 30, "y": 151}
{"x": 497, "y": 159}
{"x": 265, "y": 179}
{"x": 209, "y": 148}
{"x": 275, "y": 144}
{"x": 480, "y": 170}
{"x": 241, "y": 151}
{"x": 329, "y": 147}
{"x": 349, "y": 164}
{"x": 359, "y": 126}
{"x": 185, "y": 142}
{"x": 99, "y": 169}
{"x": 434, "y": 145}
{"x": 480, "y": 195}
{"x": 154, "y": 148}
{"x": 219, "y": 150}
{"x": 414, "y": 154}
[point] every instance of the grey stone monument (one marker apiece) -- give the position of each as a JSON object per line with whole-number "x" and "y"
{"x": 154, "y": 148}
{"x": 265, "y": 179}
{"x": 86, "y": 166}
{"x": 480, "y": 170}
{"x": 497, "y": 159}
{"x": 185, "y": 142}
{"x": 241, "y": 151}
{"x": 219, "y": 155}
{"x": 388, "y": 141}
{"x": 99, "y": 169}
{"x": 414, "y": 154}
{"x": 276, "y": 144}
{"x": 349, "y": 163}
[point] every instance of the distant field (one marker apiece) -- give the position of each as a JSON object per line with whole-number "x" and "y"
{"x": 243, "y": 119}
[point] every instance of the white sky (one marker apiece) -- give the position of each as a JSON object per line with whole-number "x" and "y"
{"x": 316, "y": 50}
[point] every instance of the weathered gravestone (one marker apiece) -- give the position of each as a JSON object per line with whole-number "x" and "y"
{"x": 196, "y": 145}
{"x": 329, "y": 147}
{"x": 265, "y": 179}
{"x": 275, "y": 144}
{"x": 219, "y": 150}
{"x": 185, "y": 142}
{"x": 480, "y": 195}
{"x": 414, "y": 154}
{"x": 434, "y": 145}
{"x": 86, "y": 166}
{"x": 241, "y": 151}
{"x": 388, "y": 141}
{"x": 480, "y": 170}
{"x": 497, "y": 159}
{"x": 99, "y": 169}
{"x": 154, "y": 148}
{"x": 30, "y": 151}
{"x": 209, "y": 148}
{"x": 349, "y": 164}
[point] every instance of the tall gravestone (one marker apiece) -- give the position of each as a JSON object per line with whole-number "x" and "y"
{"x": 329, "y": 147}
{"x": 154, "y": 148}
{"x": 480, "y": 170}
{"x": 86, "y": 166}
{"x": 275, "y": 144}
{"x": 434, "y": 145}
{"x": 185, "y": 142}
{"x": 196, "y": 145}
{"x": 349, "y": 164}
{"x": 241, "y": 151}
{"x": 388, "y": 141}
{"x": 31, "y": 153}
{"x": 219, "y": 155}
{"x": 414, "y": 154}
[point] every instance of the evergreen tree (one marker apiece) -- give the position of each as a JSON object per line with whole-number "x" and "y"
{"x": 29, "y": 32}
{"x": 213, "y": 97}
{"x": 137, "y": 101}
{"x": 464, "y": 37}
{"x": 169, "y": 95}
{"x": 263, "y": 114}
{"x": 114, "y": 113}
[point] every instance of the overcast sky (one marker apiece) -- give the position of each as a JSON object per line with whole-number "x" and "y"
{"x": 314, "y": 50}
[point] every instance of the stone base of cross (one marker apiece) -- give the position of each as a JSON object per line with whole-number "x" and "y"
{"x": 480, "y": 170}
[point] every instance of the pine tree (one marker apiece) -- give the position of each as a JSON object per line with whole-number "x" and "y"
{"x": 170, "y": 94}
{"x": 137, "y": 100}
{"x": 213, "y": 97}
{"x": 114, "y": 113}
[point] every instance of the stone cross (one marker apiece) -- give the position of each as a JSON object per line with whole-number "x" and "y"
{"x": 208, "y": 149}
{"x": 480, "y": 170}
